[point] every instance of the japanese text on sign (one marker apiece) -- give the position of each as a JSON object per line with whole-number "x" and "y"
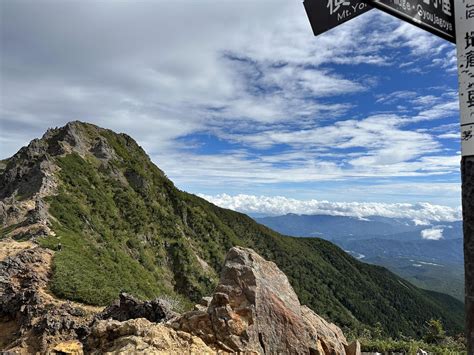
{"x": 327, "y": 14}
{"x": 465, "y": 48}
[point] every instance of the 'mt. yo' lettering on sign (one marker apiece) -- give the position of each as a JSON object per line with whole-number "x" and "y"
{"x": 327, "y": 14}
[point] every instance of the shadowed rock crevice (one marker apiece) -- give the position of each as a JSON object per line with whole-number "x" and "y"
{"x": 128, "y": 307}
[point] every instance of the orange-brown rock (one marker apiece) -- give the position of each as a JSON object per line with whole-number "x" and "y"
{"x": 330, "y": 335}
{"x": 31, "y": 320}
{"x": 353, "y": 348}
{"x": 255, "y": 309}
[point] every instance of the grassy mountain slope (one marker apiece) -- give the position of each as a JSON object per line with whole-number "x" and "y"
{"x": 120, "y": 224}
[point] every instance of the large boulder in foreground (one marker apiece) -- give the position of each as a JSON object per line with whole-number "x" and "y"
{"x": 255, "y": 309}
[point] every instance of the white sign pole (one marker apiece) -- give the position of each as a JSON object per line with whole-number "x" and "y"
{"x": 464, "y": 13}
{"x": 464, "y": 23}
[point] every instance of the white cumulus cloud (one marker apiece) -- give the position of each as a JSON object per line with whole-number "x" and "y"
{"x": 432, "y": 234}
{"x": 279, "y": 205}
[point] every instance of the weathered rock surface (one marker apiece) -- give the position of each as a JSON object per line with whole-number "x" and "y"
{"x": 255, "y": 309}
{"x": 31, "y": 320}
{"x": 128, "y": 307}
{"x": 20, "y": 278}
{"x": 71, "y": 347}
{"x": 354, "y": 348}
{"x": 140, "y": 336}
{"x": 10, "y": 247}
{"x": 27, "y": 179}
{"x": 329, "y": 336}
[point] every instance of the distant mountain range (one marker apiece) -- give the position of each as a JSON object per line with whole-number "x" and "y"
{"x": 396, "y": 243}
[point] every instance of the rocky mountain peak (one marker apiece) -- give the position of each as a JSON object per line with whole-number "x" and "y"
{"x": 76, "y": 137}
{"x": 30, "y": 176}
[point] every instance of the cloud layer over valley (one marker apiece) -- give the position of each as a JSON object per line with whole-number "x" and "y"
{"x": 420, "y": 213}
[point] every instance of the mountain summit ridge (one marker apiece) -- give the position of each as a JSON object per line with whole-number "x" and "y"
{"x": 116, "y": 223}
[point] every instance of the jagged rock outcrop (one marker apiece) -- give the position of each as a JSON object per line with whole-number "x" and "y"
{"x": 30, "y": 319}
{"x": 140, "y": 336}
{"x": 21, "y": 277}
{"x": 128, "y": 307}
{"x": 30, "y": 176}
{"x": 354, "y": 348}
{"x": 255, "y": 309}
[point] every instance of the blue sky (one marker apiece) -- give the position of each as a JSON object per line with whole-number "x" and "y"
{"x": 240, "y": 103}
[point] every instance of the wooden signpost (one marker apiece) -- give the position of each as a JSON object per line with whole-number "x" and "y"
{"x": 452, "y": 20}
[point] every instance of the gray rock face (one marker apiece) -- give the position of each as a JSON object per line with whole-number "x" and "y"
{"x": 26, "y": 179}
{"x": 255, "y": 309}
{"x": 31, "y": 175}
{"x": 20, "y": 278}
{"x": 23, "y": 303}
{"x": 39, "y": 214}
{"x": 128, "y": 307}
{"x": 102, "y": 150}
{"x": 25, "y": 171}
